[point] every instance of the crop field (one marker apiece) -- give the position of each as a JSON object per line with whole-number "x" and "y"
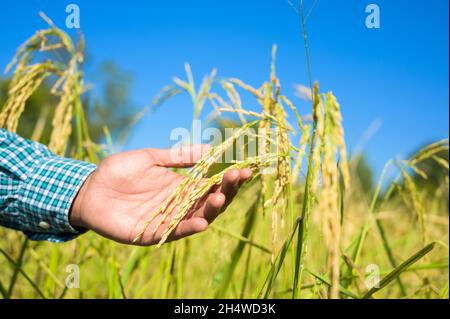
{"x": 308, "y": 228}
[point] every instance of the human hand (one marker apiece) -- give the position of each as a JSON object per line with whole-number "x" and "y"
{"x": 121, "y": 194}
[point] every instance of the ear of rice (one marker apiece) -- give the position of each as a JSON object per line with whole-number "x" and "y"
{"x": 28, "y": 77}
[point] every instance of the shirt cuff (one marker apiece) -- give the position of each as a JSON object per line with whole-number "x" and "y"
{"x": 46, "y": 197}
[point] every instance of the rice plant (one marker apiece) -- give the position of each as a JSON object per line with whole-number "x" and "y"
{"x": 303, "y": 230}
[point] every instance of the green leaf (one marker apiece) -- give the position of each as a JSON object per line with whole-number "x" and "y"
{"x": 19, "y": 269}
{"x": 3, "y": 290}
{"x": 394, "y": 274}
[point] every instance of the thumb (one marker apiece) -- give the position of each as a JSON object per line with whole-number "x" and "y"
{"x": 180, "y": 156}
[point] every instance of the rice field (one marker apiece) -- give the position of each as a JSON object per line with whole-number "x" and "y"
{"x": 308, "y": 229}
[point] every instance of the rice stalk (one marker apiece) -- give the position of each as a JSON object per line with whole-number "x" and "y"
{"x": 256, "y": 92}
{"x": 303, "y": 143}
{"x": 317, "y": 153}
{"x": 415, "y": 198}
{"x": 234, "y": 97}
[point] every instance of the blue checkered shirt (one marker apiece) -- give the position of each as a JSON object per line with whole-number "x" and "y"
{"x": 37, "y": 189}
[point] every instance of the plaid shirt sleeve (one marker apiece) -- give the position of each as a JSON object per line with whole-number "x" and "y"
{"x": 37, "y": 189}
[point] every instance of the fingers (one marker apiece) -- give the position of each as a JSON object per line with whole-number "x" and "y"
{"x": 223, "y": 194}
{"x": 215, "y": 203}
{"x": 183, "y": 156}
{"x": 188, "y": 227}
{"x": 244, "y": 175}
{"x": 230, "y": 185}
{"x": 213, "y": 207}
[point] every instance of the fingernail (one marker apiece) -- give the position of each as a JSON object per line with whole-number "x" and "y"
{"x": 221, "y": 198}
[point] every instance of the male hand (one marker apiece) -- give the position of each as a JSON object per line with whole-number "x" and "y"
{"x": 123, "y": 192}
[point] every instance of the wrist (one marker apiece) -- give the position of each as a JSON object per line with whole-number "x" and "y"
{"x": 76, "y": 213}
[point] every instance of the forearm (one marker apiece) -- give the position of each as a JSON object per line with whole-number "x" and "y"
{"x": 38, "y": 188}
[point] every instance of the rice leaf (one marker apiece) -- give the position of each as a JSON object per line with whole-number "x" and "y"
{"x": 394, "y": 274}
{"x": 19, "y": 269}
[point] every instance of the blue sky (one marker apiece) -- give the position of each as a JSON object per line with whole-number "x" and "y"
{"x": 396, "y": 76}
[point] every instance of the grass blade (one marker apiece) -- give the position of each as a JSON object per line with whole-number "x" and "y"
{"x": 444, "y": 292}
{"x": 394, "y": 274}
{"x": 130, "y": 266}
{"x": 17, "y": 267}
{"x": 3, "y": 290}
{"x": 48, "y": 271}
{"x": 389, "y": 253}
{"x": 32, "y": 283}
{"x": 298, "y": 258}
{"x": 122, "y": 288}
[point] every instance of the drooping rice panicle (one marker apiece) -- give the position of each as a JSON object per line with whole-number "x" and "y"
{"x": 263, "y": 116}
{"x": 28, "y": 77}
{"x": 62, "y": 126}
{"x": 416, "y": 169}
{"x": 337, "y": 133}
{"x": 24, "y": 83}
{"x": 283, "y": 179}
{"x": 430, "y": 150}
{"x": 202, "y": 189}
{"x": 194, "y": 179}
{"x": 441, "y": 161}
{"x": 264, "y": 146}
{"x": 256, "y": 92}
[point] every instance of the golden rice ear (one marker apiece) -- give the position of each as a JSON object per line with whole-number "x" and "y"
{"x": 28, "y": 77}
{"x": 283, "y": 178}
{"x": 273, "y": 115}
{"x": 337, "y": 131}
{"x": 24, "y": 83}
{"x": 328, "y": 162}
{"x": 196, "y": 185}
{"x": 62, "y": 119}
{"x": 256, "y": 92}
{"x": 429, "y": 151}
